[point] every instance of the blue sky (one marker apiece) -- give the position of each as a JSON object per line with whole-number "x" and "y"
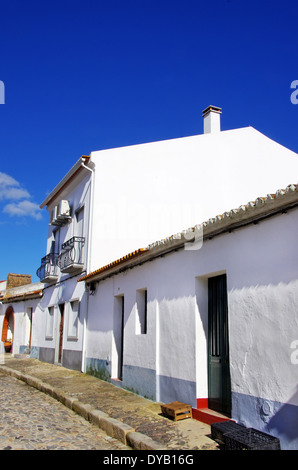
{"x": 85, "y": 75}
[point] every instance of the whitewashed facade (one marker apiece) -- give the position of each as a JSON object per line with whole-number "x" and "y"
{"x": 18, "y": 308}
{"x": 165, "y": 354}
{"x": 150, "y": 191}
{"x": 60, "y": 337}
{"x": 119, "y": 307}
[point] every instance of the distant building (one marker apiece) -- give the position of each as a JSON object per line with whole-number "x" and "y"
{"x": 18, "y": 301}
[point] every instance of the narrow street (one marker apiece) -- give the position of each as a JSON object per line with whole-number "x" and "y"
{"x": 31, "y": 420}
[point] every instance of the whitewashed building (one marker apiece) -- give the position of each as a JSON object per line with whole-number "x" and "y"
{"x": 211, "y": 322}
{"x": 61, "y": 325}
{"x": 19, "y": 300}
{"x": 147, "y": 328}
{"x": 150, "y": 191}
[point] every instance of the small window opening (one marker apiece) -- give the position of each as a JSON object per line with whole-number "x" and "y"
{"x": 141, "y": 316}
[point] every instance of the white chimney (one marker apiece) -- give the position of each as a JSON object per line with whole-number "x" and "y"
{"x": 211, "y": 117}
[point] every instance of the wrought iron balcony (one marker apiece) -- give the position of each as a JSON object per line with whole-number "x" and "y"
{"x": 48, "y": 271}
{"x": 70, "y": 260}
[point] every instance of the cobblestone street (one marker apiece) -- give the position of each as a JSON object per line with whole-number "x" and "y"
{"x": 31, "y": 420}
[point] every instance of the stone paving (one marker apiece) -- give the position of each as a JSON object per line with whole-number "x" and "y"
{"x": 148, "y": 429}
{"x": 32, "y": 420}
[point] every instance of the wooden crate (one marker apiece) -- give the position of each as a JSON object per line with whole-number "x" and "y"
{"x": 176, "y": 410}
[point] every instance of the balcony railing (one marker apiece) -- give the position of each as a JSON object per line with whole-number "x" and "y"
{"x": 70, "y": 260}
{"x": 48, "y": 271}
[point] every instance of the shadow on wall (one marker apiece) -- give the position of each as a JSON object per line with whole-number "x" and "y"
{"x": 285, "y": 421}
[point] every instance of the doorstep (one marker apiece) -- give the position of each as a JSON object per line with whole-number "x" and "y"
{"x": 207, "y": 416}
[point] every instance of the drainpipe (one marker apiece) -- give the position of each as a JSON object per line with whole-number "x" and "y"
{"x": 83, "y": 365}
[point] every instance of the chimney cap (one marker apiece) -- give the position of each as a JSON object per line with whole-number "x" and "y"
{"x": 210, "y": 108}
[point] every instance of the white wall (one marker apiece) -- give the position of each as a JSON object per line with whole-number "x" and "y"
{"x": 63, "y": 293}
{"x": 21, "y": 322}
{"x": 160, "y": 356}
{"x": 150, "y": 191}
{"x": 77, "y": 194}
{"x": 262, "y": 280}
{"x": 100, "y": 323}
{"x": 262, "y": 276}
{"x": 66, "y": 289}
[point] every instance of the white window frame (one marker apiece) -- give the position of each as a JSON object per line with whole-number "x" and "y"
{"x": 73, "y": 320}
{"x": 141, "y": 312}
{"x": 79, "y": 227}
{"x": 50, "y": 321}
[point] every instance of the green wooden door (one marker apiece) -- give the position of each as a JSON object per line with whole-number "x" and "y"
{"x": 219, "y": 383}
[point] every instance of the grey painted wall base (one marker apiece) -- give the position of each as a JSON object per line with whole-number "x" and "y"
{"x": 47, "y": 355}
{"x": 72, "y": 359}
{"x": 98, "y": 368}
{"x": 135, "y": 379}
{"x": 33, "y": 351}
{"x": 278, "y": 419}
{"x": 140, "y": 380}
{"x": 146, "y": 383}
{"x": 173, "y": 389}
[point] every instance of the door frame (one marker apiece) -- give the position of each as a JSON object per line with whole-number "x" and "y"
{"x": 30, "y": 317}
{"x": 219, "y": 380}
{"x": 60, "y": 331}
{"x": 118, "y": 333}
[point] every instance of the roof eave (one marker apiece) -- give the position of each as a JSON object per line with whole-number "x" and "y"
{"x": 20, "y": 297}
{"x": 69, "y": 176}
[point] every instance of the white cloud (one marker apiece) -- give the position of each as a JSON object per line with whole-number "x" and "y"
{"x": 13, "y": 193}
{"x": 11, "y": 189}
{"x": 20, "y": 204}
{"x": 6, "y": 180}
{"x": 23, "y": 208}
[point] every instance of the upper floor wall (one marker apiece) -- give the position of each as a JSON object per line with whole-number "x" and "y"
{"x": 142, "y": 193}
{"x": 147, "y": 192}
{"x": 67, "y": 243}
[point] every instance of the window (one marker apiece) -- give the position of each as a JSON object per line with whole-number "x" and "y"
{"x": 79, "y": 236}
{"x": 29, "y": 326}
{"x": 73, "y": 319}
{"x": 50, "y": 323}
{"x": 79, "y": 229}
{"x": 55, "y": 244}
{"x": 141, "y": 312}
